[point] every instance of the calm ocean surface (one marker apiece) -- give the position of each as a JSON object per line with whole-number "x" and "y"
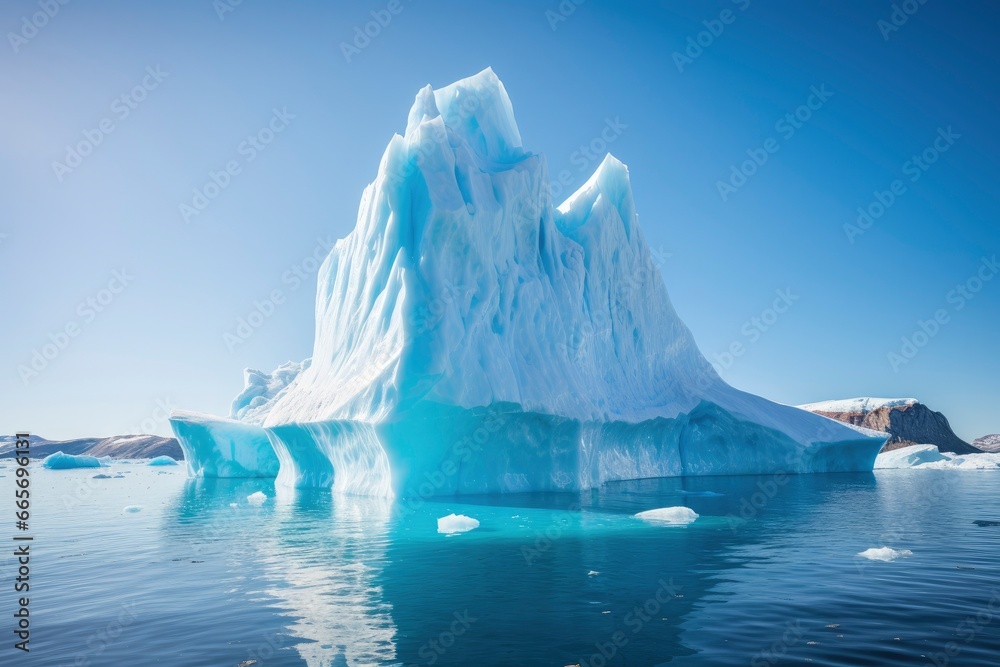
{"x": 769, "y": 575}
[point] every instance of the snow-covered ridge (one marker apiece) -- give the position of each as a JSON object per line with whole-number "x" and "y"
{"x": 465, "y": 303}
{"x": 862, "y": 405}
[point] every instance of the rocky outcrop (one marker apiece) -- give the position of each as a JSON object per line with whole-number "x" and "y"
{"x": 908, "y": 422}
{"x": 988, "y": 443}
{"x": 117, "y": 446}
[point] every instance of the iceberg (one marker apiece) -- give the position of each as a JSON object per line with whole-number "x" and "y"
{"x": 885, "y": 554}
{"x": 669, "y": 516}
{"x": 220, "y": 447}
{"x": 162, "y": 461}
{"x": 474, "y": 336}
{"x": 929, "y": 457}
{"x": 257, "y": 498}
{"x": 60, "y": 461}
{"x": 456, "y": 523}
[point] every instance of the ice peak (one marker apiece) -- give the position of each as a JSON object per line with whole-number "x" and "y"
{"x": 477, "y": 109}
{"x": 610, "y": 179}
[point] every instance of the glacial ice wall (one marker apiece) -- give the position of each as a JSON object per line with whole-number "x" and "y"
{"x": 465, "y": 292}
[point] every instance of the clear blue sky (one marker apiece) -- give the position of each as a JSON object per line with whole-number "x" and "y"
{"x": 160, "y": 339}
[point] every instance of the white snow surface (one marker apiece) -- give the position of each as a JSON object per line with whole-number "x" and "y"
{"x": 885, "y": 554}
{"x": 464, "y": 294}
{"x": 669, "y": 516}
{"x": 456, "y": 523}
{"x": 864, "y": 404}
{"x": 260, "y": 389}
{"x": 928, "y": 457}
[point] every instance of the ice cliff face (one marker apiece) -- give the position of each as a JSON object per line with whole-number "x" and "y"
{"x": 473, "y": 336}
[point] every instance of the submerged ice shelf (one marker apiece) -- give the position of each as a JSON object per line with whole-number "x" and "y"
{"x": 473, "y": 337}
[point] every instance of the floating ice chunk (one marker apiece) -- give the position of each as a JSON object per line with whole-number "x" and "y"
{"x": 234, "y": 504}
{"x": 456, "y": 523}
{"x": 885, "y": 554}
{"x": 60, "y": 461}
{"x": 928, "y": 457}
{"x": 669, "y": 516}
{"x": 593, "y": 573}
{"x": 132, "y": 509}
{"x": 163, "y": 461}
{"x": 257, "y": 499}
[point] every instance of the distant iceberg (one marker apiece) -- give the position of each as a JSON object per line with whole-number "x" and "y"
{"x": 928, "y": 457}
{"x": 162, "y": 461}
{"x": 60, "y": 461}
{"x": 472, "y": 336}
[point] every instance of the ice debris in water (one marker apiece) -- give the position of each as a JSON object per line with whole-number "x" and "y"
{"x": 669, "y": 516}
{"x": 60, "y": 461}
{"x": 885, "y": 554}
{"x": 456, "y": 523}
{"x": 257, "y": 498}
{"x": 162, "y": 461}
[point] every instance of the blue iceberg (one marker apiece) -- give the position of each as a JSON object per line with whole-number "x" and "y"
{"x": 474, "y": 336}
{"x": 162, "y": 461}
{"x": 60, "y": 461}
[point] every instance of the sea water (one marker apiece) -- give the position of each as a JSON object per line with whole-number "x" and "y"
{"x": 147, "y": 567}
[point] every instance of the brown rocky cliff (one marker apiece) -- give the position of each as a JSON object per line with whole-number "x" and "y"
{"x": 908, "y": 425}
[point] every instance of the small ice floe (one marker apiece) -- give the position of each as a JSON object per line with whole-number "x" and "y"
{"x": 234, "y": 504}
{"x": 60, "y": 461}
{"x": 885, "y": 554}
{"x": 257, "y": 499}
{"x": 669, "y": 516}
{"x": 132, "y": 509}
{"x": 162, "y": 461}
{"x": 593, "y": 573}
{"x": 456, "y": 523}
